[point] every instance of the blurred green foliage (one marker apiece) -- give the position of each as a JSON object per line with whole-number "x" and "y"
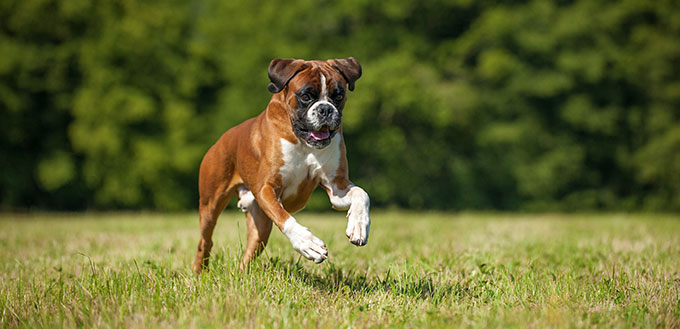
{"x": 560, "y": 105}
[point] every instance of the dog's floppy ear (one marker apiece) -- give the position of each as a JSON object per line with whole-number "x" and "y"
{"x": 349, "y": 68}
{"x": 281, "y": 70}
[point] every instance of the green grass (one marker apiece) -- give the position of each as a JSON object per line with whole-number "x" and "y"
{"x": 418, "y": 270}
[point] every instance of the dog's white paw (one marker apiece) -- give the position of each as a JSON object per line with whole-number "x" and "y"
{"x": 304, "y": 241}
{"x": 358, "y": 225}
{"x": 245, "y": 200}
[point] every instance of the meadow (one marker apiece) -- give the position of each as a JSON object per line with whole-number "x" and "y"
{"x": 419, "y": 269}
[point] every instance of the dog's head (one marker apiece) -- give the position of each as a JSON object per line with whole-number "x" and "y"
{"x": 314, "y": 93}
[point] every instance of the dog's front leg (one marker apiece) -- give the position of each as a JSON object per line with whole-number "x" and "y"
{"x": 303, "y": 241}
{"x": 357, "y": 201}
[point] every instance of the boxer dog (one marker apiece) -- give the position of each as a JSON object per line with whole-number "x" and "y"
{"x": 275, "y": 160}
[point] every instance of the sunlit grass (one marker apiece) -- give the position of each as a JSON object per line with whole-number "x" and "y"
{"x": 418, "y": 270}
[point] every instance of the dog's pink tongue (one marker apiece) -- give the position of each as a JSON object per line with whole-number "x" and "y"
{"x": 322, "y": 134}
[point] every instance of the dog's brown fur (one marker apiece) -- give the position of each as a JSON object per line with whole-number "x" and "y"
{"x": 250, "y": 155}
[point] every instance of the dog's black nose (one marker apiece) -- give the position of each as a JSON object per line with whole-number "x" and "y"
{"x": 325, "y": 110}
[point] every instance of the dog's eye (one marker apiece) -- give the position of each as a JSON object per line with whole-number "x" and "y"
{"x": 339, "y": 97}
{"x": 305, "y": 98}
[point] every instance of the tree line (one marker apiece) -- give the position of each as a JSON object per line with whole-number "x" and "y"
{"x": 517, "y": 105}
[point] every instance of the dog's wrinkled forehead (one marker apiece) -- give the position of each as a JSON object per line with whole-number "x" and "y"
{"x": 318, "y": 78}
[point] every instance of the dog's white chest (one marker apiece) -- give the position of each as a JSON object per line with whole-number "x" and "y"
{"x": 301, "y": 162}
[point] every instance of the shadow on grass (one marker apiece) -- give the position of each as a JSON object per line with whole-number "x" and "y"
{"x": 333, "y": 279}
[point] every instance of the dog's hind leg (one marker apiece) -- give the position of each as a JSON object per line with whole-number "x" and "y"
{"x": 259, "y": 227}
{"x": 215, "y": 188}
{"x": 208, "y": 212}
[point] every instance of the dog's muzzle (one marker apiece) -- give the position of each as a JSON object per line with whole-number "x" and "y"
{"x": 319, "y": 124}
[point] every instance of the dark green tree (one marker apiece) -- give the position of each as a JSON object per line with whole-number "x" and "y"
{"x": 562, "y": 105}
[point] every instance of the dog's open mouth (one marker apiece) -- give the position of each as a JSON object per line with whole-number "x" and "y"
{"x": 321, "y": 134}
{"x": 317, "y": 137}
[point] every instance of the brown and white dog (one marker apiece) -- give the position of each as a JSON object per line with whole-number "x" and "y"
{"x": 275, "y": 160}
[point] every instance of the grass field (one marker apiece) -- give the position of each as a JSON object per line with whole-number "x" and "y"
{"x": 418, "y": 270}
